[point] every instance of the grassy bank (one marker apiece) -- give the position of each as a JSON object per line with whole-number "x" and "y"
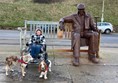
{"x": 14, "y": 12}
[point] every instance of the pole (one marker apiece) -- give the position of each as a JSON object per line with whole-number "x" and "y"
{"x": 102, "y": 18}
{"x": 19, "y": 28}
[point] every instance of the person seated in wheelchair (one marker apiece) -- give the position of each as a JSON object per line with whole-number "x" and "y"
{"x": 37, "y": 45}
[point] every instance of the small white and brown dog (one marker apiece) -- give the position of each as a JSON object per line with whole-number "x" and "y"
{"x": 44, "y": 68}
{"x": 14, "y": 60}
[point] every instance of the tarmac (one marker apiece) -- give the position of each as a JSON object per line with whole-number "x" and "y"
{"x": 62, "y": 69}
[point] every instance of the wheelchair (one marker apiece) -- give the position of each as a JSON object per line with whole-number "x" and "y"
{"x": 42, "y": 55}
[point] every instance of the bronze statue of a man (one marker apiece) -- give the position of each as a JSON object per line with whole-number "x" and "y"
{"x": 82, "y": 26}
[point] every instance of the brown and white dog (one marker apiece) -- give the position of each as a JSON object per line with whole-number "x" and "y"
{"x": 44, "y": 68}
{"x": 14, "y": 60}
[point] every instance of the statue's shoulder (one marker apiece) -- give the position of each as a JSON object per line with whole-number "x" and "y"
{"x": 74, "y": 14}
{"x": 88, "y": 15}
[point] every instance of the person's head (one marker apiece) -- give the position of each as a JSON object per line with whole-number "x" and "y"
{"x": 81, "y": 9}
{"x": 38, "y": 31}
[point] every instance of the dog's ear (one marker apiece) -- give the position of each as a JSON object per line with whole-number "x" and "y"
{"x": 6, "y": 58}
{"x": 45, "y": 64}
{"x": 15, "y": 58}
{"x": 39, "y": 64}
{"x": 39, "y": 68}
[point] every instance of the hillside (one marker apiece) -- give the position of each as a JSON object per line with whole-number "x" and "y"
{"x": 14, "y": 12}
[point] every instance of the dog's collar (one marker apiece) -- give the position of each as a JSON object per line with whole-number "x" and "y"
{"x": 21, "y": 61}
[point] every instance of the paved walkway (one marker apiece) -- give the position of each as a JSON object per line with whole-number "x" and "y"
{"x": 62, "y": 69}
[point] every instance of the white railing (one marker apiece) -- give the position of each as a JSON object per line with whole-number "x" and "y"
{"x": 49, "y": 30}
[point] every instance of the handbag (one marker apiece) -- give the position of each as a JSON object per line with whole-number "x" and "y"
{"x": 60, "y": 34}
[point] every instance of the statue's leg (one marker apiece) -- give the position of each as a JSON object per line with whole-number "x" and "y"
{"x": 76, "y": 48}
{"x": 93, "y": 45}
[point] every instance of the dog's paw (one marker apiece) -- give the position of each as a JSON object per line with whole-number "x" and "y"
{"x": 50, "y": 70}
{"x": 24, "y": 72}
{"x": 23, "y": 75}
{"x": 45, "y": 78}
{"x": 7, "y": 74}
{"x": 12, "y": 70}
{"x": 40, "y": 76}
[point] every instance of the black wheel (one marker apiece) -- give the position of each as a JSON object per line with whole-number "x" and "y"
{"x": 107, "y": 31}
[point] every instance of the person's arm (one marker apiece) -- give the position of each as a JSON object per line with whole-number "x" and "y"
{"x": 67, "y": 19}
{"x": 31, "y": 40}
{"x": 43, "y": 43}
{"x": 42, "y": 40}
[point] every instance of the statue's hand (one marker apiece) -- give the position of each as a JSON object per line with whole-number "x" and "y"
{"x": 61, "y": 26}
